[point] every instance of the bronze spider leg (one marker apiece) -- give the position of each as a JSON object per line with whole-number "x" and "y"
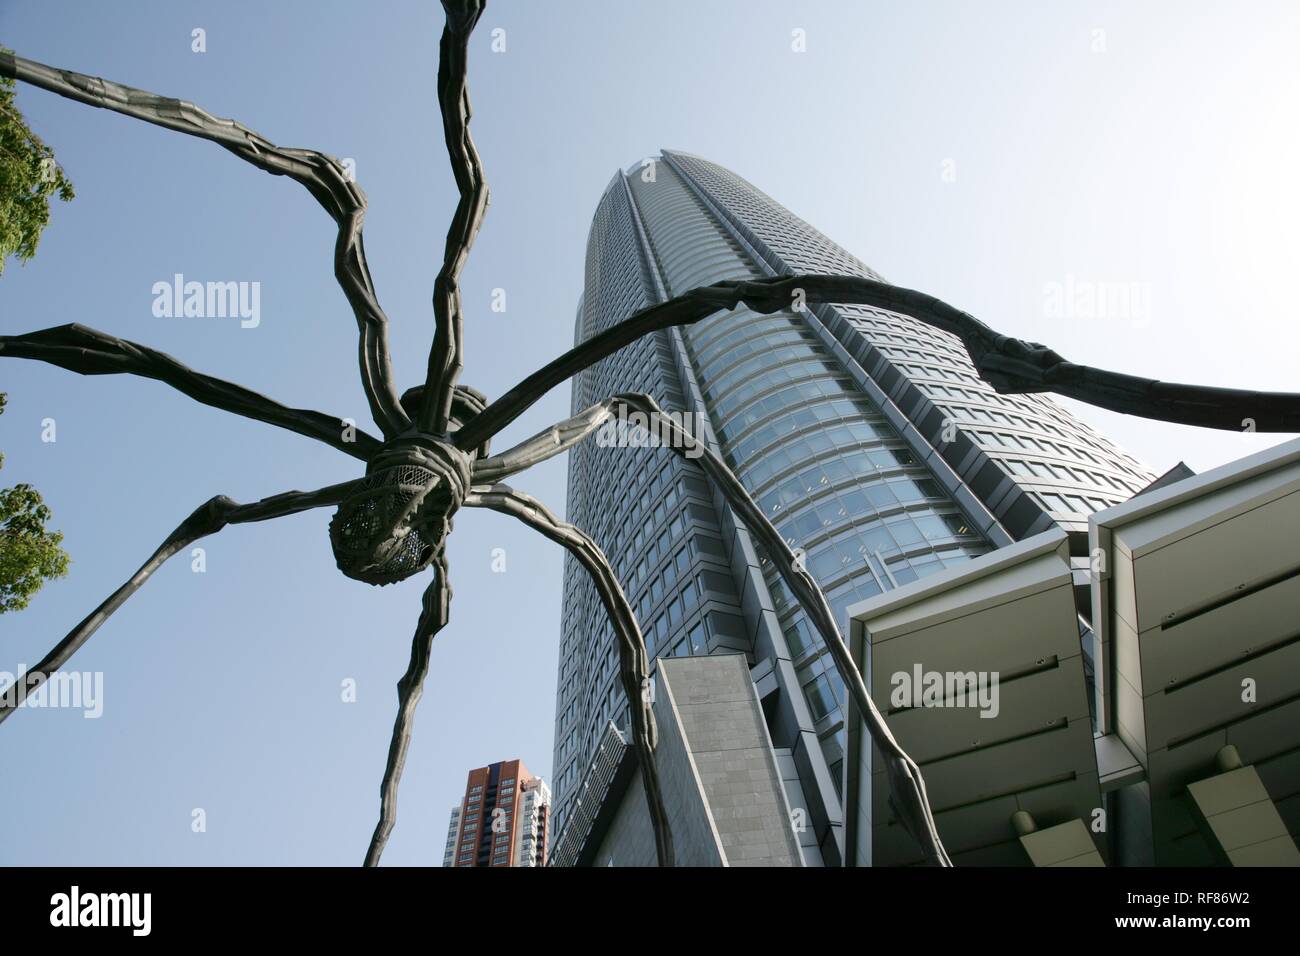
{"x": 446, "y": 356}
{"x": 323, "y": 176}
{"x": 633, "y": 660}
{"x": 433, "y": 617}
{"x": 91, "y": 352}
{"x": 908, "y": 787}
{"x": 208, "y": 518}
{"x": 1011, "y": 366}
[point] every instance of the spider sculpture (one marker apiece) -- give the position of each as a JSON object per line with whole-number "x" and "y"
{"x": 434, "y": 457}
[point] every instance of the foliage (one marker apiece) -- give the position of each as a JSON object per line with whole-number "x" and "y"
{"x": 29, "y": 176}
{"x": 29, "y": 554}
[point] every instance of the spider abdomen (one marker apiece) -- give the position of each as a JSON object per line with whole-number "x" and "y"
{"x": 395, "y": 524}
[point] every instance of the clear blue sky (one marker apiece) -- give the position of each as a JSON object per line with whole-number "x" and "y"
{"x": 1166, "y": 159}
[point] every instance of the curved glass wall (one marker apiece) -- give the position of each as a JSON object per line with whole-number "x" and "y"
{"x": 650, "y": 513}
{"x": 823, "y": 463}
{"x": 796, "y": 422}
{"x": 1067, "y": 469}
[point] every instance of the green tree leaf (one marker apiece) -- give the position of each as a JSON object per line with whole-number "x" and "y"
{"x": 30, "y": 555}
{"x": 29, "y": 176}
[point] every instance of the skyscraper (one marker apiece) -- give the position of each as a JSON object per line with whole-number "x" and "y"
{"x": 503, "y": 819}
{"x": 866, "y": 437}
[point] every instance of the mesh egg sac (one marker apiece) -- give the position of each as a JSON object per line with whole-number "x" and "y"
{"x": 371, "y": 533}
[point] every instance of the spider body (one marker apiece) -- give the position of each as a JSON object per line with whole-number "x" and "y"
{"x": 398, "y": 520}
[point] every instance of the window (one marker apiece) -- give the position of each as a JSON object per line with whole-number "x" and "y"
{"x": 824, "y": 563}
{"x": 699, "y": 640}
{"x": 933, "y": 527}
{"x": 905, "y": 532}
{"x": 956, "y": 525}
{"x": 821, "y": 699}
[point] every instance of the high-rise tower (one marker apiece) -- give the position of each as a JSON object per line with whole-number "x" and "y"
{"x": 503, "y": 819}
{"x": 866, "y": 436}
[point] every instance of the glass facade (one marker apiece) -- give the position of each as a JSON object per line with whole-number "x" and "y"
{"x": 832, "y": 418}
{"x": 821, "y": 461}
{"x": 660, "y": 529}
{"x": 1050, "y": 467}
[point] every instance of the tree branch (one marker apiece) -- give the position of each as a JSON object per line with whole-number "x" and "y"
{"x": 91, "y": 352}
{"x": 322, "y": 175}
